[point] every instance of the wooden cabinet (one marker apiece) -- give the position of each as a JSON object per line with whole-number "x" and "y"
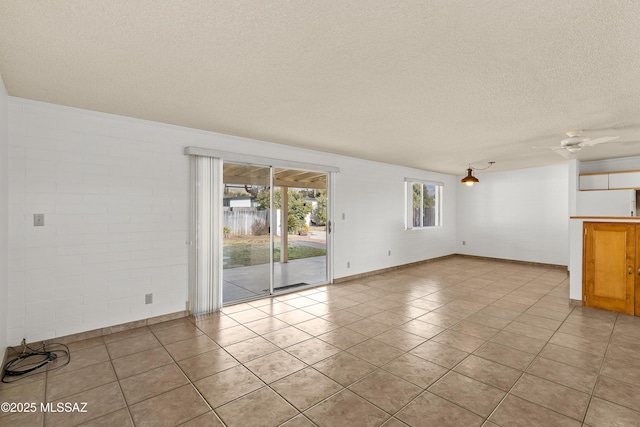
{"x": 611, "y": 266}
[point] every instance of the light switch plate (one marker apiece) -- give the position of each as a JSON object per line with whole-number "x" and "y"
{"x": 38, "y": 220}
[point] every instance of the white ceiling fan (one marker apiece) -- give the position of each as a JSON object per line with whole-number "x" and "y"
{"x": 576, "y": 142}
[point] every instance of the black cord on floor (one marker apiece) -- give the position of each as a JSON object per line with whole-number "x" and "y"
{"x": 33, "y": 359}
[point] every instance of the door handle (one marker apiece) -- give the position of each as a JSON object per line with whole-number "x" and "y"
{"x": 638, "y": 271}
{"x": 630, "y": 270}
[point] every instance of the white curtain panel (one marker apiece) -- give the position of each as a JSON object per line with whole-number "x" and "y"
{"x": 205, "y": 261}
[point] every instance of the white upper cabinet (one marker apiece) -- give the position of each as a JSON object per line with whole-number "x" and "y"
{"x": 610, "y": 181}
{"x": 594, "y": 182}
{"x": 624, "y": 180}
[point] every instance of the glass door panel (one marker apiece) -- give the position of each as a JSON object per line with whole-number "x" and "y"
{"x": 246, "y": 239}
{"x": 300, "y": 222}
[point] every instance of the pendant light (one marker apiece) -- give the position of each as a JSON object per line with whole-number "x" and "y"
{"x": 470, "y": 179}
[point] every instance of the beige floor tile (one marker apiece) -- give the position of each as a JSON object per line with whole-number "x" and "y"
{"x": 390, "y": 318}
{"x": 505, "y": 355}
{"x": 367, "y": 327}
{"x": 9, "y": 419}
{"x": 625, "y": 352}
{"x": 276, "y": 307}
{"x": 214, "y": 322}
{"x": 375, "y": 352}
{"x": 287, "y": 337}
{"x": 468, "y": 393}
{"x": 519, "y": 342}
{"x": 206, "y": 364}
{"x": 126, "y": 334}
{"x": 416, "y": 370}
{"x": 346, "y": 409}
{"x": 431, "y": 410}
{"x": 484, "y": 318}
{"x": 342, "y": 317}
{"x": 177, "y": 333}
{"x": 344, "y": 368}
{"x": 517, "y": 412}
{"x": 299, "y": 421}
{"x": 100, "y": 401}
{"x": 464, "y": 342}
{"x": 120, "y": 418}
{"x": 132, "y": 345}
{"x": 587, "y": 361}
{"x": 169, "y": 409}
{"x": 488, "y": 372}
{"x": 250, "y": 349}
{"x": 80, "y": 380}
{"x": 24, "y": 392}
{"x": 151, "y": 383}
{"x": 228, "y": 385}
{"x": 208, "y": 419}
{"x": 621, "y": 371}
{"x": 191, "y": 347}
{"x": 141, "y": 362}
{"x": 439, "y": 319}
{"x": 593, "y": 333}
{"x": 541, "y": 322}
{"x": 618, "y": 392}
{"x": 422, "y": 329}
{"x": 528, "y": 330}
{"x": 260, "y": 408}
{"x": 475, "y": 330}
{"x": 400, "y": 339}
{"x": 386, "y": 391}
{"x": 81, "y": 358}
{"x": 343, "y": 338}
{"x": 560, "y": 373}
{"x": 319, "y": 309}
{"x": 305, "y": 388}
{"x": 249, "y": 315}
{"x": 553, "y": 396}
{"x": 316, "y": 326}
{"x": 439, "y": 353}
{"x": 274, "y": 366}
{"x": 294, "y": 317}
{"x": 602, "y": 413}
{"x": 312, "y": 351}
{"x": 579, "y": 343}
{"x": 394, "y": 422}
{"x": 231, "y": 335}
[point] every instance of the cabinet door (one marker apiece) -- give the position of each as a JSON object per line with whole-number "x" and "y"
{"x": 609, "y": 266}
{"x": 624, "y": 180}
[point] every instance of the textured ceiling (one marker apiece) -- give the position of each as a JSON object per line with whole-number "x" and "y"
{"x": 428, "y": 84}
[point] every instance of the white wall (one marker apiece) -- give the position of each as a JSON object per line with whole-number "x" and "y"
{"x": 519, "y": 215}
{"x": 114, "y": 192}
{"x": 4, "y": 216}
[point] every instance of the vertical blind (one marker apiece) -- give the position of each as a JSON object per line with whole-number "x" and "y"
{"x": 205, "y": 278}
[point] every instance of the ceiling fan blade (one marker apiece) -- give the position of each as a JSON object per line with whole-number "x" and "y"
{"x": 602, "y": 140}
{"x": 562, "y": 152}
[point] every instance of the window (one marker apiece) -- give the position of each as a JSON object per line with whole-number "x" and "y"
{"x": 424, "y": 204}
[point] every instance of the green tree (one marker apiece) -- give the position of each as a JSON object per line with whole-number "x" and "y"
{"x": 320, "y": 212}
{"x": 299, "y": 208}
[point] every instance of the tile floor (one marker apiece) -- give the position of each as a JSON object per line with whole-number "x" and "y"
{"x": 460, "y": 342}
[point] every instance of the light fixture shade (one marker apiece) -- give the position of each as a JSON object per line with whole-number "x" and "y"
{"x": 469, "y": 179}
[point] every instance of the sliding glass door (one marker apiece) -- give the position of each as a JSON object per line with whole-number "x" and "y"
{"x": 300, "y": 244}
{"x": 247, "y": 242}
{"x": 274, "y": 230}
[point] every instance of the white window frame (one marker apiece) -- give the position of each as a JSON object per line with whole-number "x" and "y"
{"x": 408, "y": 196}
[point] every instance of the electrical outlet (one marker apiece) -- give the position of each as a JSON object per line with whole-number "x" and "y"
{"x": 464, "y": 243}
{"x": 148, "y": 299}
{"x": 38, "y": 220}
{"x": 348, "y": 264}
{"x": 343, "y": 215}
{"x": 389, "y": 252}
